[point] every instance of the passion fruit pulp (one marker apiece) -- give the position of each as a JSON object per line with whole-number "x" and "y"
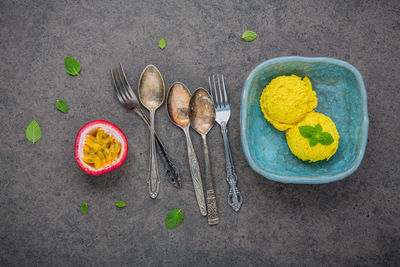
{"x": 100, "y": 147}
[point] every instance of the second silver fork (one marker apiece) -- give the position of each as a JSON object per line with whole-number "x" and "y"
{"x": 222, "y": 115}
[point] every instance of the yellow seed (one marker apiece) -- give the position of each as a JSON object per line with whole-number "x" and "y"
{"x": 108, "y": 156}
{"x": 97, "y": 147}
{"x": 102, "y": 157}
{"x": 99, "y": 135}
{"x": 105, "y": 145}
{"x": 97, "y": 162}
{"x": 117, "y": 147}
{"x": 112, "y": 147}
{"x": 88, "y": 159}
{"x": 86, "y": 150}
{"x": 91, "y": 141}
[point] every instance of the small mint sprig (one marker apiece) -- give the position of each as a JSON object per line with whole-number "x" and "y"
{"x": 315, "y": 135}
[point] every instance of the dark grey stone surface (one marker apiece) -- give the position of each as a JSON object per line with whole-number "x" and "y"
{"x": 352, "y": 222}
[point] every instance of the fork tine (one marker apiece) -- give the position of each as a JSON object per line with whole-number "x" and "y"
{"x": 116, "y": 88}
{"x": 216, "y": 94}
{"x": 122, "y": 87}
{"x": 121, "y": 91}
{"x": 225, "y": 94}
{"x": 220, "y": 92}
{"x": 211, "y": 92}
{"x": 209, "y": 88}
{"x": 128, "y": 86}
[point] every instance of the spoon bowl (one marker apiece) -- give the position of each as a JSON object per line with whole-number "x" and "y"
{"x": 201, "y": 111}
{"x": 151, "y": 88}
{"x": 178, "y": 99}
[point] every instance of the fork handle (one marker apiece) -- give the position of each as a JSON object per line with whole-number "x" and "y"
{"x": 235, "y": 199}
{"x": 172, "y": 173}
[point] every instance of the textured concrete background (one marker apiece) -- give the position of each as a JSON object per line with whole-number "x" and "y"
{"x": 352, "y": 222}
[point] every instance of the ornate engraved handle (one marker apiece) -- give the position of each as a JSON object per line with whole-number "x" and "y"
{"x": 235, "y": 199}
{"x": 172, "y": 173}
{"x": 195, "y": 172}
{"x": 211, "y": 200}
{"x": 153, "y": 179}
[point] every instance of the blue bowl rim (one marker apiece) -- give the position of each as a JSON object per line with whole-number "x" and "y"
{"x": 295, "y": 179}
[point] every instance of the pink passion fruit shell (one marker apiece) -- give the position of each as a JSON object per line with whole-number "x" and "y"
{"x": 110, "y": 129}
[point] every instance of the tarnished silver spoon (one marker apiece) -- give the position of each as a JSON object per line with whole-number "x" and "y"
{"x": 202, "y": 117}
{"x": 178, "y": 99}
{"x": 151, "y": 95}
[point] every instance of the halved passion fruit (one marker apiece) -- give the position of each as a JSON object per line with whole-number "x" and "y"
{"x": 100, "y": 147}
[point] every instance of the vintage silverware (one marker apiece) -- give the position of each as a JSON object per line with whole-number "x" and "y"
{"x": 128, "y": 99}
{"x": 151, "y": 95}
{"x": 202, "y": 117}
{"x": 222, "y": 114}
{"x": 178, "y": 111}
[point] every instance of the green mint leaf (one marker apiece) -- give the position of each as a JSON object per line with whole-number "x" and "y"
{"x": 307, "y": 131}
{"x": 72, "y": 66}
{"x": 33, "y": 132}
{"x": 62, "y": 106}
{"x": 174, "y": 218}
{"x": 162, "y": 43}
{"x": 315, "y": 135}
{"x": 120, "y": 204}
{"x": 249, "y": 36}
{"x": 84, "y": 208}
{"x": 313, "y": 142}
{"x": 326, "y": 139}
{"x": 318, "y": 128}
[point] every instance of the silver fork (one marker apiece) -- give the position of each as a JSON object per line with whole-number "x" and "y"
{"x": 222, "y": 114}
{"x": 130, "y": 101}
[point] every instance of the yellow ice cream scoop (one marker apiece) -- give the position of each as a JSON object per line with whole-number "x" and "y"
{"x": 314, "y": 138}
{"x": 286, "y": 100}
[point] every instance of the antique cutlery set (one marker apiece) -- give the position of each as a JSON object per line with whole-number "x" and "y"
{"x": 199, "y": 111}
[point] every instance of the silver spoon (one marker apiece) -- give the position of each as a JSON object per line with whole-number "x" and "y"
{"x": 202, "y": 117}
{"x": 178, "y": 111}
{"x": 151, "y": 95}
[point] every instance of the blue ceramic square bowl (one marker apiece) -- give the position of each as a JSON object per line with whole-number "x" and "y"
{"x": 341, "y": 96}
